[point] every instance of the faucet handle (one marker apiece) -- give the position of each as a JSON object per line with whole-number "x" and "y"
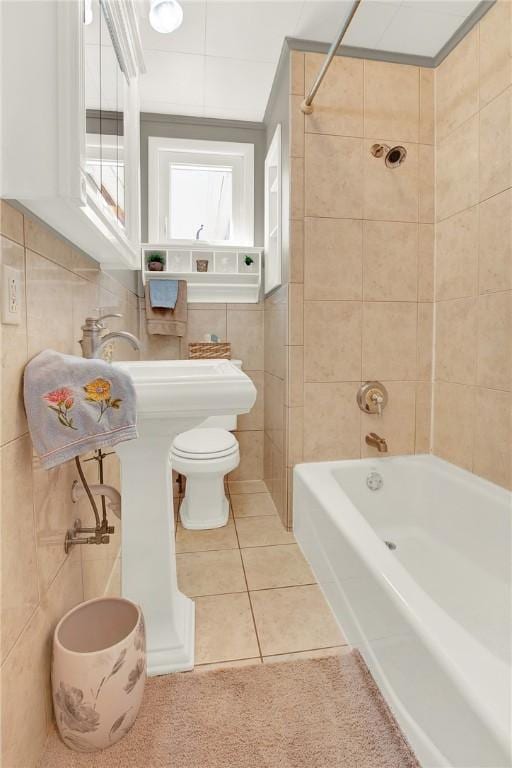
{"x": 378, "y": 400}
{"x": 99, "y": 320}
{"x": 104, "y": 317}
{"x": 372, "y": 397}
{"x": 95, "y": 323}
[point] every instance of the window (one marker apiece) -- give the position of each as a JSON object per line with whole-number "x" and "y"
{"x": 200, "y": 190}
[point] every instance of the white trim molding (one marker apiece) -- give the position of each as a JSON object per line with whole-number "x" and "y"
{"x": 121, "y": 19}
{"x": 273, "y": 214}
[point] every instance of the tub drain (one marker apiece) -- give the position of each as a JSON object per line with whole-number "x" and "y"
{"x": 390, "y": 544}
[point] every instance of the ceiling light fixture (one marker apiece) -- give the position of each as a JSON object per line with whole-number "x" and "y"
{"x": 165, "y": 15}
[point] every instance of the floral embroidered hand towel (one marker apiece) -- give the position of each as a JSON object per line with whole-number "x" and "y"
{"x": 75, "y": 405}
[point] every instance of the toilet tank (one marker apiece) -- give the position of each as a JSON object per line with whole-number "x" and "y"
{"x": 222, "y": 422}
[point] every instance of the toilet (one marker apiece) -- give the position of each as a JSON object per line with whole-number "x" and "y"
{"x": 204, "y": 455}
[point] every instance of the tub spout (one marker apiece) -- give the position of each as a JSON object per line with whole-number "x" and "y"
{"x": 377, "y": 442}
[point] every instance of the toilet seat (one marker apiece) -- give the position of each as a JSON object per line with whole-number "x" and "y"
{"x": 205, "y": 456}
{"x": 204, "y": 444}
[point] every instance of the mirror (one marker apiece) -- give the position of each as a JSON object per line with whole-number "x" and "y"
{"x": 105, "y": 101}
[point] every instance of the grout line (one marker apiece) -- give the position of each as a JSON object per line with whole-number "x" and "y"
{"x": 217, "y": 594}
{"x": 231, "y": 549}
{"x": 227, "y": 661}
{"x": 273, "y": 655}
{"x": 247, "y": 586}
{"x": 364, "y": 219}
{"x": 442, "y": 139}
{"x": 285, "y": 586}
{"x": 306, "y": 650}
{"x": 13, "y": 439}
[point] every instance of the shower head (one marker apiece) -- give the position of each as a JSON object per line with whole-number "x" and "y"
{"x": 393, "y": 156}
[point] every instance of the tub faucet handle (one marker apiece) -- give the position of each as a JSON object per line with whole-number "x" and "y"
{"x": 372, "y": 397}
{"x": 377, "y": 398}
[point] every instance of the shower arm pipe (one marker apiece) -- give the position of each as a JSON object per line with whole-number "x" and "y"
{"x": 307, "y": 104}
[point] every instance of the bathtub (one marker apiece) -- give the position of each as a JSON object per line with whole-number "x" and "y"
{"x": 430, "y": 610}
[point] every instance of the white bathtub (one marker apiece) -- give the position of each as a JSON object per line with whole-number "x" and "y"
{"x": 433, "y": 617}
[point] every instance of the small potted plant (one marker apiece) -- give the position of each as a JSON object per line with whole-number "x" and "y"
{"x": 247, "y": 263}
{"x": 156, "y": 262}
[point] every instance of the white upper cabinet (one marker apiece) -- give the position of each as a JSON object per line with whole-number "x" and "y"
{"x": 70, "y": 127}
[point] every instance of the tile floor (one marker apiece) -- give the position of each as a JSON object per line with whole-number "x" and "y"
{"x": 256, "y": 597}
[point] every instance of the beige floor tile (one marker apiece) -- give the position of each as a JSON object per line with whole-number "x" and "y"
{"x": 204, "y": 541}
{"x": 237, "y": 487}
{"x": 294, "y": 619}
{"x": 227, "y": 664}
{"x": 262, "y": 532}
{"x": 210, "y": 573}
{"x": 224, "y": 629}
{"x": 281, "y": 566}
{"x": 253, "y": 505}
{"x": 321, "y": 653}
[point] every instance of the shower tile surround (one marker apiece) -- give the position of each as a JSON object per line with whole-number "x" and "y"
{"x": 472, "y": 424}
{"x": 385, "y": 266}
{"x": 358, "y": 299}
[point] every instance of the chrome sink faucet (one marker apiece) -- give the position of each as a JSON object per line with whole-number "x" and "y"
{"x": 92, "y": 341}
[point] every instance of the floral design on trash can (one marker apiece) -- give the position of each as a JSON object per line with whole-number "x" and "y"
{"x": 97, "y": 694}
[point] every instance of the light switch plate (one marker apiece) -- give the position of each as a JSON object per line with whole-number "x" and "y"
{"x": 11, "y": 296}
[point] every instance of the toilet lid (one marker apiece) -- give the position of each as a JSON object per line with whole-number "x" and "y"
{"x": 204, "y": 442}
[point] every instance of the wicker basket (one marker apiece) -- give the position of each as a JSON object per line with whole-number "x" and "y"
{"x": 209, "y": 349}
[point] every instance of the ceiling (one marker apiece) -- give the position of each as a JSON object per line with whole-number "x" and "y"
{"x": 221, "y": 62}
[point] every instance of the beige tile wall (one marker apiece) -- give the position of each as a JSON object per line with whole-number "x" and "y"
{"x": 473, "y": 286}
{"x": 361, "y": 261}
{"x": 39, "y": 583}
{"x": 242, "y": 325}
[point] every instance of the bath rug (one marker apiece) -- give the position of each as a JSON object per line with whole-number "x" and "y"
{"x": 313, "y": 713}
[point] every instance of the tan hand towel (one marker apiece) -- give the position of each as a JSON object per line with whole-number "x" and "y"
{"x": 168, "y": 322}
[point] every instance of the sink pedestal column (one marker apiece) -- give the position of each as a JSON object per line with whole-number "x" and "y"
{"x": 148, "y": 563}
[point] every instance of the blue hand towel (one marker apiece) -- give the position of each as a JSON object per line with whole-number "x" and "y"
{"x": 75, "y": 405}
{"x": 163, "y": 294}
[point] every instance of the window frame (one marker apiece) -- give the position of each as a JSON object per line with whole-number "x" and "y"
{"x": 163, "y": 151}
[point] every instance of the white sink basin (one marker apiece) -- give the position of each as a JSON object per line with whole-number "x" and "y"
{"x": 172, "y": 396}
{"x": 189, "y": 387}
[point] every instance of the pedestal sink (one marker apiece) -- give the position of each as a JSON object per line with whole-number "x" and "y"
{"x": 172, "y": 396}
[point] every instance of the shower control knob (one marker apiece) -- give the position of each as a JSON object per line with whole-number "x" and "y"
{"x": 372, "y": 397}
